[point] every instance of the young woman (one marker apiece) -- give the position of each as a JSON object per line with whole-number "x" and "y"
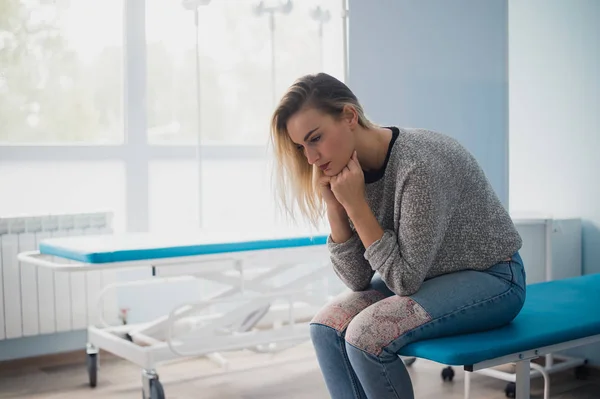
{"x": 417, "y": 234}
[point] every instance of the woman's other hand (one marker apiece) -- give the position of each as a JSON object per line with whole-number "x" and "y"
{"x": 348, "y": 186}
{"x": 328, "y": 196}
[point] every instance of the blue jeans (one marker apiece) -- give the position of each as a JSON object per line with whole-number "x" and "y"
{"x": 358, "y": 335}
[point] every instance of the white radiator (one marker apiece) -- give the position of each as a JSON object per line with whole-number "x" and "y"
{"x": 37, "y": 301}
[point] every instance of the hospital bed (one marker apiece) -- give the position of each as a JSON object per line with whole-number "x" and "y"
{"x": 557, "y": 315}
{"x": 256, "y": 308}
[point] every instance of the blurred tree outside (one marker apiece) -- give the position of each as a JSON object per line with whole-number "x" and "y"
{"x": 47, "y": 93}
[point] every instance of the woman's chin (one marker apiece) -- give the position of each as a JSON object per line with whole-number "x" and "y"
{"x": 330, "y": 172}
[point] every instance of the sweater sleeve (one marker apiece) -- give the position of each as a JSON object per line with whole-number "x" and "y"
{"x": 403, "y": 257}
{"x": 349, "y": 263}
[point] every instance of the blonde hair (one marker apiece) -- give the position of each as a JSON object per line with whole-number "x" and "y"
{"x": 295, "y": 179}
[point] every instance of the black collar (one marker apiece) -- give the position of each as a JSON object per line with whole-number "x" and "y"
{"x": 371, "y": 176}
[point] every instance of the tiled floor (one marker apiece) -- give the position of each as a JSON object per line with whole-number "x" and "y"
{"x": 292, "y": 374}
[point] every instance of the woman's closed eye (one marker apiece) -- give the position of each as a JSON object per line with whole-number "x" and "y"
{"x": 315, "y": 139}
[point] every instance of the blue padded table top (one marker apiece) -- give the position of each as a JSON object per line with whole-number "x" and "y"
{"x": 145, "y": 246}
{"x": 554, "y": 312}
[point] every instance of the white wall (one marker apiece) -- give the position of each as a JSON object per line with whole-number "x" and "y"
{"x": 554, "y": 96}
{"x": 434, "y": 65}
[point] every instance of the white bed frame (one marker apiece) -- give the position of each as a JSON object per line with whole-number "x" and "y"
{"x": 265, "y": 317}
{"x": 525, "y": 369}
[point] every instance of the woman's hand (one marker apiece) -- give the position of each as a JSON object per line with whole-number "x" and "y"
{"x": 348, "y": 186}
{"x": 328, "y": 196}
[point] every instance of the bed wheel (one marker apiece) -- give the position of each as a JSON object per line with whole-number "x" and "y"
{"x": 156, "y": 390}
{"x": 448, "y": 374}
{"x": 92, "y": 368}
{"x": 408, "y": 361}
{"x": 510, "y": 390}
{"x": 582, "y": 372}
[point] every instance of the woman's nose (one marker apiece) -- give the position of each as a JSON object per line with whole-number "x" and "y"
{"x": 312, "y": 156}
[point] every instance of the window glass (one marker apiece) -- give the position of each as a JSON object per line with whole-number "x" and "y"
{"x": 61, "y": 72}
{"x": 40, "y": 188}
{"x": 241, "y": 77}
{"x": 237, "y": 195}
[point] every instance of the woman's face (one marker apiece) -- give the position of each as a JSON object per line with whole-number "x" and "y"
{"x": 325, "y": 142}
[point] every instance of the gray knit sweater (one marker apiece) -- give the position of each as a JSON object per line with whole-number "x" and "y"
{"x": 439, "y": 214}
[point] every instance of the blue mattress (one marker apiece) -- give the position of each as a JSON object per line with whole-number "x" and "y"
{"x": 142, "y": 246}
{"x": 554, "y": 312}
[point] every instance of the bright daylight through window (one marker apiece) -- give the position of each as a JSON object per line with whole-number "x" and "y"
{"x": 250, "y": 52}
{"x": 113, "y": 90}
{"x": 61, "y": 72}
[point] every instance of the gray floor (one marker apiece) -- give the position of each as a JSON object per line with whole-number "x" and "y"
{"x": 292, "y": 374}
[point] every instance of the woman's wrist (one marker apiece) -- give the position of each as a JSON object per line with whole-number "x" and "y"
{"x": 367, "y": 226}
{"x": 336, "y": 210}
{"x": 339, "y": 224}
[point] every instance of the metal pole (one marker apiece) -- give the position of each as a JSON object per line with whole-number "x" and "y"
{"x": 199, "y": 119}
{"x": 321, "y": 47}
{"x": 523, "y": 377}
{"x": 322, "y": 17}
{"x": 283, "y": 8}
{"x": 273, "y": 71}
{"x": 345, "y": 12}
{"x": 194, "y": 5}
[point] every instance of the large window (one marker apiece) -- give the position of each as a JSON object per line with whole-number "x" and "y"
{"x": 103, "y": 105}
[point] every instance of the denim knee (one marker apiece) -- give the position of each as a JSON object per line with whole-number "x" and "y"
{"x": 324, "y": 338}
{"x": 341, "y": 310}
{"x": 384, "y": 322}
{"x": 318, "y": 330}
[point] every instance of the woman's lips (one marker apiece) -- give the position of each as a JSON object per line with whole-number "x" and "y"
{"x": 324, "y": 167}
